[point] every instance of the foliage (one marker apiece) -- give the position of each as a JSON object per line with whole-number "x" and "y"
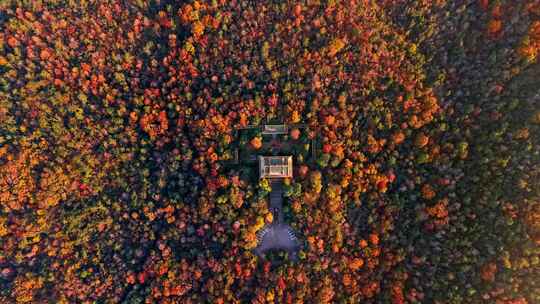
{"x": 117, "y": 117}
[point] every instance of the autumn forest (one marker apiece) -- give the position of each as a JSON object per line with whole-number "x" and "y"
{"x": 413, "y": 127}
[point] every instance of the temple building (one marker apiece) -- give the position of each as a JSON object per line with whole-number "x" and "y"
{"x": 275, "y": 166}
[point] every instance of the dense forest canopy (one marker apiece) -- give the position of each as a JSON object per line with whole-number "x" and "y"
{"x": 117, "y": 119}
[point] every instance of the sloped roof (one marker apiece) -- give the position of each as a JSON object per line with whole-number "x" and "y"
{"x": 275, "y": 166}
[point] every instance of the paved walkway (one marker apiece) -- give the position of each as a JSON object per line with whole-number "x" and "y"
{"x": 276, "y": 201}
{"x": 277, "y": 235}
